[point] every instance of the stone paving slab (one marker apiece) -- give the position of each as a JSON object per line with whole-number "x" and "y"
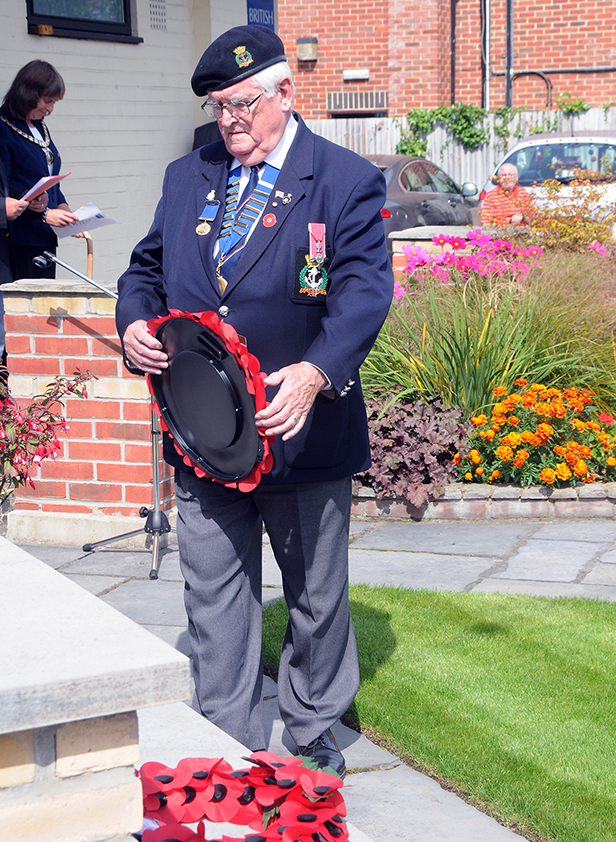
{"x": 457, "y": 539}
{"x": 125, "y": 563}
{"x": 96, "y": 585}
{"x": 53, "y": 556}
{"x": 416, "y": 570}
{"x": 402, "y": 805}
{"x": 176, "y": 636}
{"x": 550, "y": 589}
{"x": 553, "y": 561}
{"x": 597, "y": 531}
{"x": 150, "y": 602}
{"x": 601, "y": 574}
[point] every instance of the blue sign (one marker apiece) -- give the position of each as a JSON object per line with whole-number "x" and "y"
{"x": 261, "y": 12}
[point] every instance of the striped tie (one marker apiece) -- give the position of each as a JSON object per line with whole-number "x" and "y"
{"x": 240, "y": 216}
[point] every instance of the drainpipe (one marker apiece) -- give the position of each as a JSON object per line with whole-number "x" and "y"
{"x": 509, "y": 57}
{"x": 453, "y": 52}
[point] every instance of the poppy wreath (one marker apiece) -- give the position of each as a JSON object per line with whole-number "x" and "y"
{"x": 254, "y": 384}
{"x": 279, "y": 799}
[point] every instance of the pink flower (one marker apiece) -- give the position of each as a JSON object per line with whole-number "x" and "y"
{"x": 598, "y": 247}
{"x": 441, "y": 240}
{"x": 399, "y": 290}
{"x": 457, "y": 243}
{"x": 606, "y": 418}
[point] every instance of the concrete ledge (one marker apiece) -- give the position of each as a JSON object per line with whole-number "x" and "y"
{"x": 75, "y": 530}
{"x": 478, "y": 501}
{"x": 68, "y": 656}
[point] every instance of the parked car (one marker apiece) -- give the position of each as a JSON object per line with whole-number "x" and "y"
{"x": 419, "y": 193}
{"x": 561, "y": 157}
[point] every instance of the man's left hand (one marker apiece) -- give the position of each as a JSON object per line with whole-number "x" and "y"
{"x": 299, "y": 385}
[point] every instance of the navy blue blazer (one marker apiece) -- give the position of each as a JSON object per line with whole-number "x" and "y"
{"x": 24, "y": 163}
{"x": 6, "y": 273}
{"x": 173, "y": 267}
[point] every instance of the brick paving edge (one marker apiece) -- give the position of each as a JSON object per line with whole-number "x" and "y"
{"x": 475, "y": 501}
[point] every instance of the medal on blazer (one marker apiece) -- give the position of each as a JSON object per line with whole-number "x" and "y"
{"x": 208, "y": 214}
{"x": 313, "y": 278}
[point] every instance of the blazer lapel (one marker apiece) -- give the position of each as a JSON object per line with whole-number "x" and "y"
{"x": 212, "y": 184}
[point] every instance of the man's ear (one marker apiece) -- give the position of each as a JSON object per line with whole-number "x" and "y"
{"x": 285, "y": 89}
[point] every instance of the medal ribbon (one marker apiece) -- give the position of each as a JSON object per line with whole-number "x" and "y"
{"x": 239, "y": 217}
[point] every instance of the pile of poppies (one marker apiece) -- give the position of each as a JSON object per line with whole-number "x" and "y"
{"x": 280, "y": 799}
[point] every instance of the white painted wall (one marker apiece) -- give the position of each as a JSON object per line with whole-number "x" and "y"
{"x": 128, "y": 111}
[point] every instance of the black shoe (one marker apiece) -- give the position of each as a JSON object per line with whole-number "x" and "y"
{"x": 325, "y": 752}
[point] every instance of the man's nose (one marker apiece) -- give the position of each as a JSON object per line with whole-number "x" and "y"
{"x": 226, "y": 118}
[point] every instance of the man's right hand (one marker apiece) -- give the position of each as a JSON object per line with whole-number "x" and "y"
{"x": 142, "y": 350}
{"x": 14, "y": 207}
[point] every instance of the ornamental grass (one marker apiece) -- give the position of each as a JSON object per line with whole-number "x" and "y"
{"x": 548, "y": 317}
{"x": 540, "y": 435}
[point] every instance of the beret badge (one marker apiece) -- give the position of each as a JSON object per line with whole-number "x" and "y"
{"x": 242, "y": 57}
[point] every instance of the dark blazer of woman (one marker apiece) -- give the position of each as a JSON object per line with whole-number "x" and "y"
{"x": 24, "y": 163}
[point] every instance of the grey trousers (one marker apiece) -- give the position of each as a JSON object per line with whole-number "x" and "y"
{"x": 220, "y": 541}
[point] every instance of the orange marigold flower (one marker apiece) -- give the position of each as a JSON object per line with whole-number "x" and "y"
{"x": 611, "y": 461}
{"x": 589, "y": 478}
{"x": 475, "y": 457}
{"x": 559, "y": 410}
{"x": 528, "y": 400}
{"x": 592, "y": 425}
{"x": 520, "y": 457}
{"x": 579, "y": 425}
{"x": 580, "y": 469}
{"x": 544, "y": 431}
{"x": 490, "y": 435}
{"x": 559, "y": 450}
{"x": 504, "y": 453}
{"x": 513, "y": 419}
{"x": 479, "y": 472}
{"x": 498, "y": 391}
{"x": 543, "y": 408}
{"x": 563, "y": 472}
{"x": 530, "y": 438}
{"x": 547, "y": 475}
{"x": 537, "y": 387}
{"x": 584, "y": 451}
{"x": 478, "y": 420}
{"x": 457, "y": 459}
{"x": 521, "y": 381}
{"x": 468, "y": 476}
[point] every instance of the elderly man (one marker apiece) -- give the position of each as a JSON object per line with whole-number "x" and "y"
{"x": 508, "y": 204}
{"x": 315, "y": 200}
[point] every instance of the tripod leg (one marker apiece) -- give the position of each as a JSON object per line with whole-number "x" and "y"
{"x": 87, "y": 548}
{"x": 155, "y": 559}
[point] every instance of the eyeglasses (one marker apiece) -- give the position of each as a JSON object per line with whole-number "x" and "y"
{"x": 236, "y": 108}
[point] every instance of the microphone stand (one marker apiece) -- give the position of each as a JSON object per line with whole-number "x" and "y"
{"x": 156, "y": 523}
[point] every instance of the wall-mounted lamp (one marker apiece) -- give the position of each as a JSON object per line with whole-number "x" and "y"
{"x": 307, "y": 49}
{"x": 358, "y": 75}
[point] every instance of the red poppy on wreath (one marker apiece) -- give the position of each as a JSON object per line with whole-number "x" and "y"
{"x": 249, "y": 366}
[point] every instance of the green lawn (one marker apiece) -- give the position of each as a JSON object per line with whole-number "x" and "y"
{"x": 511, "y": 699}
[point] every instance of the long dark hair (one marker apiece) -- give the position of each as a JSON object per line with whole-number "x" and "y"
{"x": 35, "y": 80}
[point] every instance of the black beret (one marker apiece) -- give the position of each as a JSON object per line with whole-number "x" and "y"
{"x": 235, "y": 55}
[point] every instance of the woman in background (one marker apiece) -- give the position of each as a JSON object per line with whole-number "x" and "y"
{"x": 28, "y": 153}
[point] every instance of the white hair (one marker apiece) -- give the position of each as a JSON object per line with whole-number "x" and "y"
{"x": 269, "y": 78}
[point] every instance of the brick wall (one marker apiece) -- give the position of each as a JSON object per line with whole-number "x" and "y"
{"x": 105, "y": 462}
{"x": 407, "y": 48}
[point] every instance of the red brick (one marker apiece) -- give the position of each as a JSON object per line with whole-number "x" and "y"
{"x": 126, "y": 432}
{"x": 139, "y": 453}
{"x": 103, "y": 346}
{"x": 78, "y": 408}
{"x": 43, "y": 488}
{"x": 35, "y": 365}
{"x": 99, "y": 326}
{"x": 99, "y": 366}
{"x": 55, "y": 469}
{"x": 66, "y": 508}
{"x": 114, "y": 472}
{"x": 96, "y": 451}
{"x": 18, "y": 344}
{"x": 63, "y": 346}
{"x": 94, "y": 491}
{"x": 136, "y": 411}
{"x": 79, "y": 429}
{"x": 138, "y": 494}
{"x": 24, "y": 323}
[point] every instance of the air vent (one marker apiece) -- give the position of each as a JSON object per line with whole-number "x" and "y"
{"x": 349, "y": 101}
{"x": 158, "y": 14}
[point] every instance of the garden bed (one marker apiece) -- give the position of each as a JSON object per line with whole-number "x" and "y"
{"x": 479, "y": 501}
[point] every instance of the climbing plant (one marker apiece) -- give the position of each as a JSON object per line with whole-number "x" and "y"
{"x": 465, "y": 123}
{"x": 570, "y": 105}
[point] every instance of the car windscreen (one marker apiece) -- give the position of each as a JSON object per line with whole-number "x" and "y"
{"x": 563, "y": 161}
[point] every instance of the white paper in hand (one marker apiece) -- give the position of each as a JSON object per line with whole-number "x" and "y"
{"x": 90, "y": 217}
